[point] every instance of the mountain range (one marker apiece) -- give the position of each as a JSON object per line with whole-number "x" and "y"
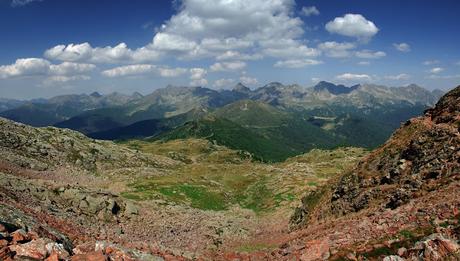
{"x": 272, "y": 122}
{"x": 66, "y": 196}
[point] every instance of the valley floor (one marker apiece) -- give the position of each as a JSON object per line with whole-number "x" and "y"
{"x": 202, "y": 200}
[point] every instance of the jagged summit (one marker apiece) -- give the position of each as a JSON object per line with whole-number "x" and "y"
{"x": 137, "y": 95}
{"x": 95, "y": 95}
{"x": 333, "y": 88}
{"x": 241, "y": 88}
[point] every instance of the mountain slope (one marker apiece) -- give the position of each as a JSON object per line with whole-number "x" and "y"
{"x": 50, "y": 148}
{"x": 60, "y": 108}
{"x": 268, "y": 133}
{"x": 423, "y": 155}
{"x": 252, "y": 114}
{"x": 8, "y": 104}
{"x": 162, "y": 103}
{"x": 147, "y": 128}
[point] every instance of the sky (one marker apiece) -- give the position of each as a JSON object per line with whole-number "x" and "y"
{"x": 54, "y": 47}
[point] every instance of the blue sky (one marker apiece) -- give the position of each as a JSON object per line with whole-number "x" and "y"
{"x": 53, "y": 47}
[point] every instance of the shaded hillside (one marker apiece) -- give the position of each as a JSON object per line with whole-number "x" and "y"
{"x": 8, "y": 104}
{"x": 148, "y": 128}
{"x": 268, "y": 133}
{"x": 253, "y": 114}
{"x": 273, "y": 134}
{"x": 47, "y": 112}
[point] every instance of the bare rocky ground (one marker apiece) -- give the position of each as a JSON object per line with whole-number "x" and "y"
{"x": 66, "y": 197}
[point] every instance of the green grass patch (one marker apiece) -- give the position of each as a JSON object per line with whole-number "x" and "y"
{"x": 379, "y": 252}
{"x": 249, "y": 248}
{"x": 205, "y": 188}
{"x": 407, "y": 234}
{"x": 199, "y": 197}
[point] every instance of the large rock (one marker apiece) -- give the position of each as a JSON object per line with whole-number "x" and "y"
{"x": 35, "y": 249}
{"x": 436, "y": 247}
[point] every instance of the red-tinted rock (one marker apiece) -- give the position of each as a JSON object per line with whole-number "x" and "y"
{"x": 5, "y": 253}
{"x": 53, "y": 257}
{"x": 435, "y": 247}
{"x": 3, "y": 228}
{"x": 3, "y": 242}
{"x": 32, "y": 235}
{"x": 83, "y": 248}
{"x": 316, "y": 250}
{"x": 19, "y": 236}
{"x": 33, "y": 250}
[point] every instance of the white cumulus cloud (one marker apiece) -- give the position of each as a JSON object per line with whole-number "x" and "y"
{"x": 335, "y": 49}
{"x": 58, "y": 79}
{"x": 69, "y": 68}
{"x": 351, "y": 77}
{"x": 235, "y": 55}
{"x": 368, "y": 54}
{"x": 296, "y": 63}
{"x": 436, "y": 70}
{"x": 227, "y": 66}
{"x": 198, "y": 76}
{"x": 25, "y": 67}
{"x": 353, "y": 25}
{"x": 223, "y": 83}
{"x": 63, "y": 72}
{"x": 142, "y": 69}
{"x": 221, "y": 29}
{"x": 402, "y": 76}
{"x": 84, "y": 52}
{"x": 246, "y": 80}
{"x": 309, "y": 11}
{"x": 402, "y": 47}
{"x": 431, "y": 62}
{"x": 17, "y": 3}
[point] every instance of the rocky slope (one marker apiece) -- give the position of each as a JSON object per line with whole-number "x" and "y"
{"x": 414, "y": 176}
{"x": 51, "y": 148}
{"x": 423, "y": 155}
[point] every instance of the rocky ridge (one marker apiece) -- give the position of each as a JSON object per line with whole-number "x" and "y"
{"x": 49, "y": 148}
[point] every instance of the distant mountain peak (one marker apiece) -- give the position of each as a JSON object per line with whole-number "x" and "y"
{"x": 241, "y": 88}
{"x": 333, "y": 88}
{"x": 273, "y": 85}
{"x": 96, "y": 95}
{"x": 137, "y": 95}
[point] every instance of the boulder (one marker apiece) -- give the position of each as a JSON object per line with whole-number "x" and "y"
{"x": 19, "y": 236}
{"x": 393, "y": 258}
{"x": 131, "y": 209}
{"x": 35, "y": 249}
{"x": 57, "y": 249}
{"x": 435, "y": 247}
